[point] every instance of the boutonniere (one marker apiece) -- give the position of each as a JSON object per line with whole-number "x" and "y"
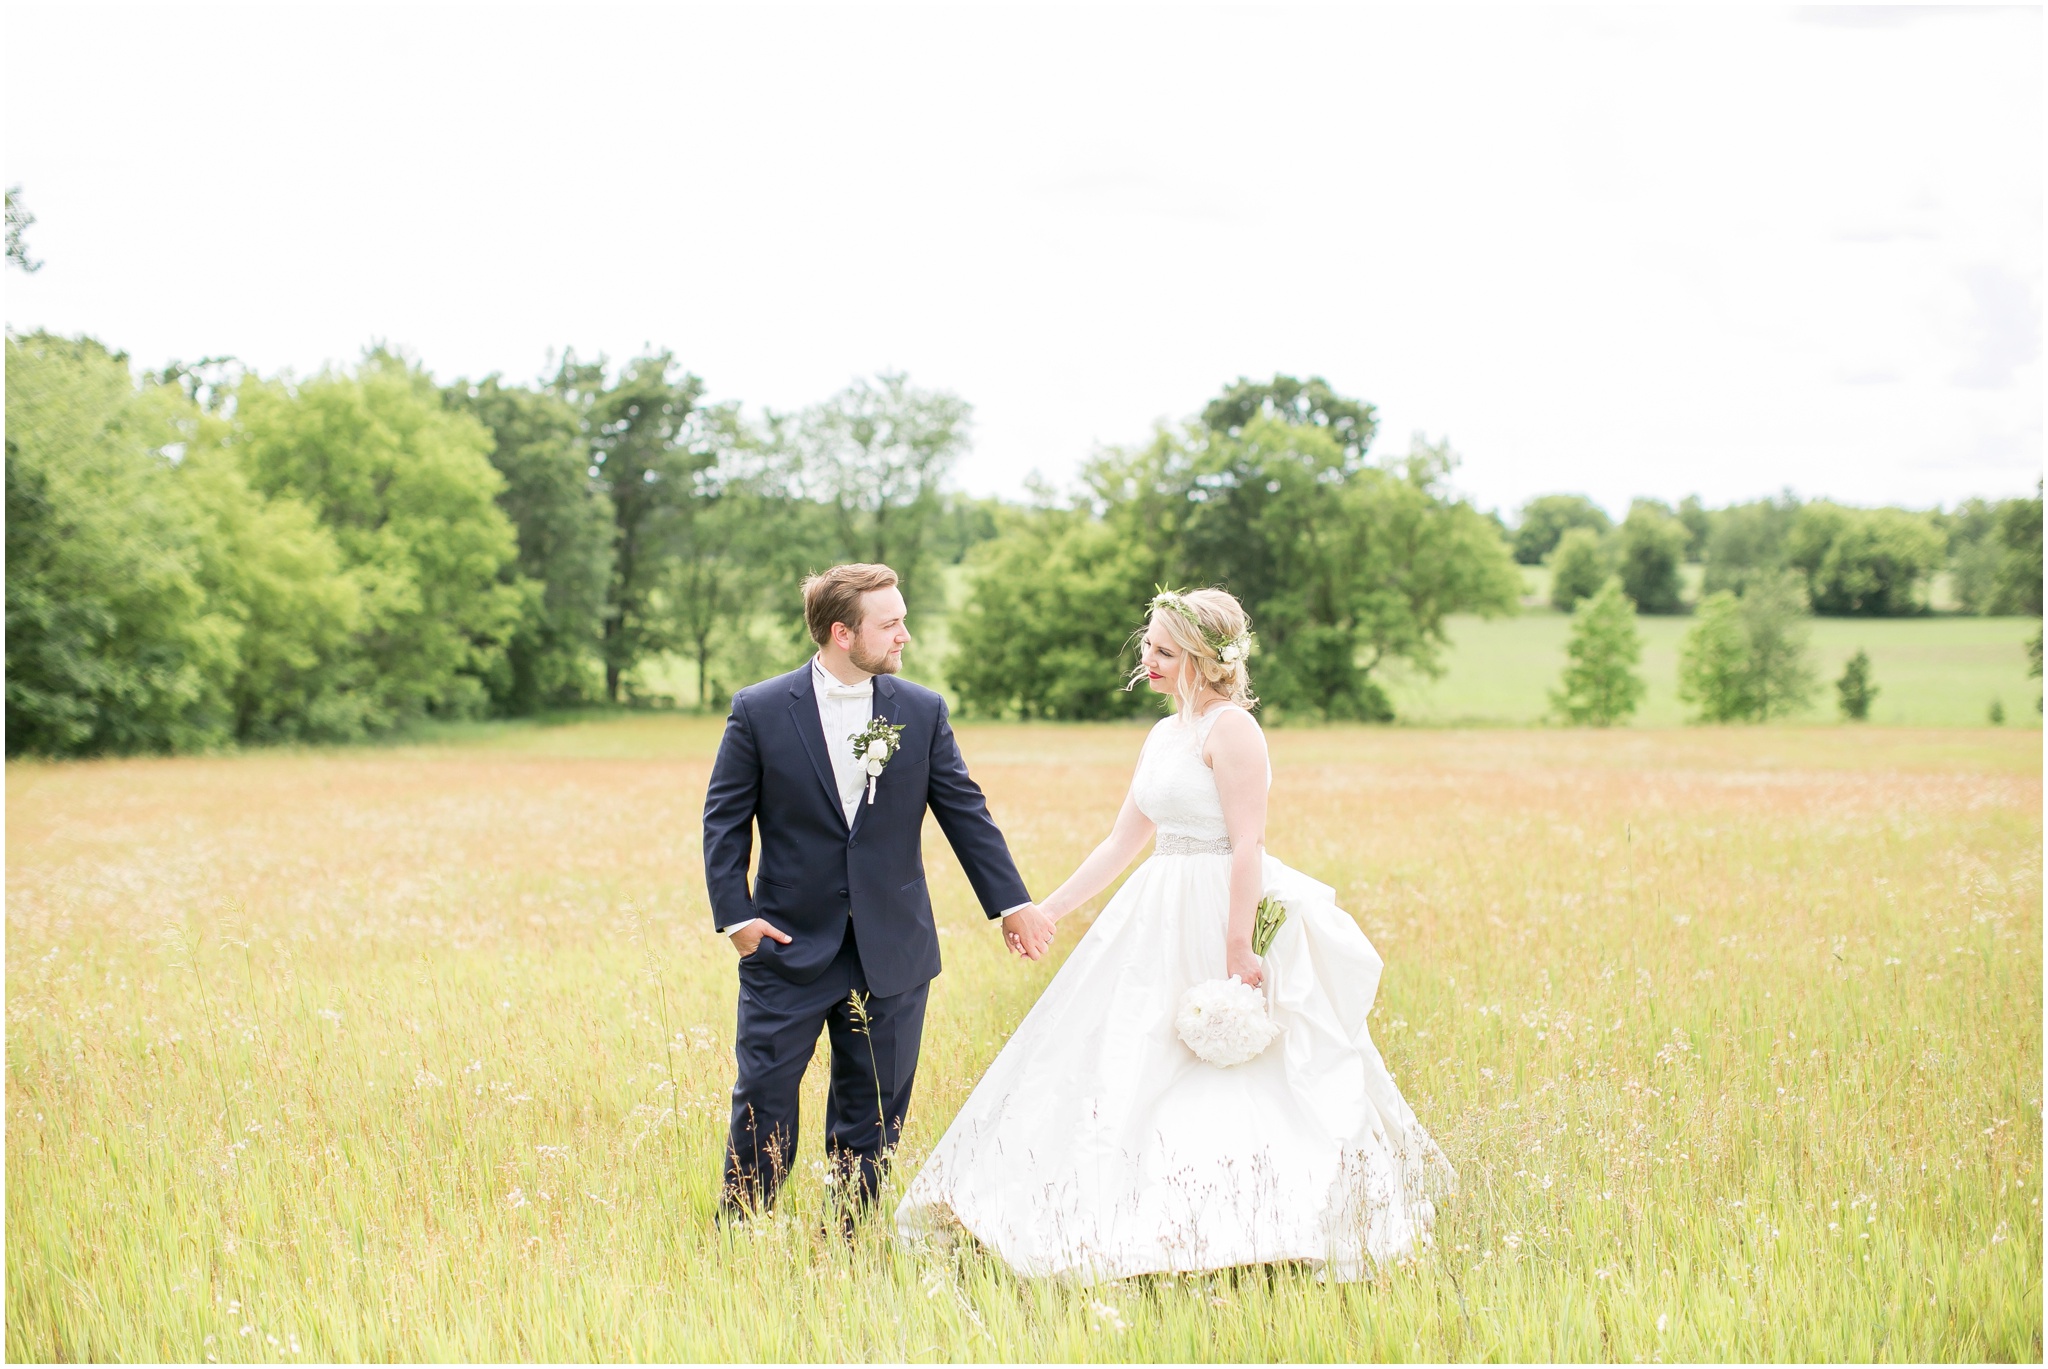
{"x": 874, "y": 746}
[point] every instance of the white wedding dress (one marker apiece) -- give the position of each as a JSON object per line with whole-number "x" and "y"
{"x": 1099, "y": 1146}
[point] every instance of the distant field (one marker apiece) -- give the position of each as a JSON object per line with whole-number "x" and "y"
{"x": 423, "y": 1053}
{"x": 1937, "y": 671}
{"x": 1932, "y": 672}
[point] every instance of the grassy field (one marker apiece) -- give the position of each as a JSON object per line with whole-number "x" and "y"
{"x": 422, "y": 1053}
{"x": 1931, "y": 672}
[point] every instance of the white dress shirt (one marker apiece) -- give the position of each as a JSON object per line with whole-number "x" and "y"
{"x": 843, "y": 710}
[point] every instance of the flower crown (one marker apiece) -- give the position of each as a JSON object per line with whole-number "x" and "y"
{"x": 1229, "y": 650}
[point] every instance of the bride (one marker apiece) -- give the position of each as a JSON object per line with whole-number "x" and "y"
{"x": 1098, "y": 1144}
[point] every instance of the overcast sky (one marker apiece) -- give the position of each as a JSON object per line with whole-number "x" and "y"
{"x": 1625, "y": 251}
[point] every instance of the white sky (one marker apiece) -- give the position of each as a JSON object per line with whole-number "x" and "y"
{"x": 1629, "y": 251}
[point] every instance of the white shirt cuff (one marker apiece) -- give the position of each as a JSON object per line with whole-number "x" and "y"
{"x": 1019, "y": 908}
{"x": 737, "y": 926}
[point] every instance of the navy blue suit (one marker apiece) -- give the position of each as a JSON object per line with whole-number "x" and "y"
{"x": 854, "y": 904}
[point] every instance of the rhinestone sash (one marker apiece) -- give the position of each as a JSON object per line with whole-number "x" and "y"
{"x": 1180, "y": 844}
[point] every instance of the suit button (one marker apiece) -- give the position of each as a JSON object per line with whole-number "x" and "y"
{"x": 842, "y": 893}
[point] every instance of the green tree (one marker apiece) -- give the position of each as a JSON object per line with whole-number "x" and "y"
{"x": 1343, "y": 564}
{"x": 407, "y": 489}
{"x": 736, "y": 551}
{"x": 875, "y": 455}
{"x": 1976, "y": 553}
{"x": 1867, "y": 562}
{"x": 563, "y": 521}
{"x": 2018, "y": 582}
{"x": 1856, "y": 691}
{"x": 1649, "y": 546}
{"x": 1699, "y": 524}
{"x": 19, "y": 221}
{"x": 1713, "y": 662}
{"x": 1744, "y": 660}
{"x": 1579, "y": 565}
{"x": 1600, "y": 683}
{"x": 1049, "y": 626}
{"x": 110, "y": 646}
{"x": 1746, "y": 540}
{"x": 1544, "y": 521}
{"x": 2034, "y": 663}
{"x": 649, "y": 453}
{"x": 964, "y": 523}
{"x": 275, "y": 577}
{"x": 1350, "y": 423}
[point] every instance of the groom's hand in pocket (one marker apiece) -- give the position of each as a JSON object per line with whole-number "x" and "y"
{"x": 746, "y": 940}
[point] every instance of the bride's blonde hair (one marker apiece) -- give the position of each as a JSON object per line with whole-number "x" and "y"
{"x": 1208, "y": 625}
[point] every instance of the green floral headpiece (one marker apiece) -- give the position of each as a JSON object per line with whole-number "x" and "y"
{"x": 1229, "y": 650}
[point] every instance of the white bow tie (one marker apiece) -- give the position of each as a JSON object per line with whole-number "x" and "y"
{"x": 847, "y": 691}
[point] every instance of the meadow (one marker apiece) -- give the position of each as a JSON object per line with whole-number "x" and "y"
{"x": 422, "y": 1052}
{"x": 1937, "y": 671}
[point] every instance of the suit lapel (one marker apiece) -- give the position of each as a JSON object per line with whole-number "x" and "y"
{"x": 803, "y": 712}
{"x": 884, "y": 705}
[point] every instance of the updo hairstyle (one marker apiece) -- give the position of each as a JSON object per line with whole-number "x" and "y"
{"x": 1220, "y": 627}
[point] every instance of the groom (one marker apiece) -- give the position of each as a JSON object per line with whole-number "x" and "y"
{"x": 836, "y": 932}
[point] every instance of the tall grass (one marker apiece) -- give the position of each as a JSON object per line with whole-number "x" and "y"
{"x": 1734, "y": 1037}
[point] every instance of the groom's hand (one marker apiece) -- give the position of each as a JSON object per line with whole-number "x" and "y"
{"x": 1028, "y": 932}
{"x": 746, "y": 940}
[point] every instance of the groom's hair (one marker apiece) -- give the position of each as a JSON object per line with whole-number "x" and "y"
{"x": 834, "y": 597}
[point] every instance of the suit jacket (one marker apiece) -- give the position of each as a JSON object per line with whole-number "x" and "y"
{"x": 773, "y": 771}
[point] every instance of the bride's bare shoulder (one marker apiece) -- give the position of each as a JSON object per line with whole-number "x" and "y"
{"x": 1234, "y": 731}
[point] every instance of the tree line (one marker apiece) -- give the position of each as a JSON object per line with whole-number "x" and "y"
{"x": 1848, "y": 561}
{"x": 205, "y": 556}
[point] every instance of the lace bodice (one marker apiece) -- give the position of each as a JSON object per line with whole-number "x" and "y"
{"x": 1174, "y": 787}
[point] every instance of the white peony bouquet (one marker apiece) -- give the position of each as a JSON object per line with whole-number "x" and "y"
{"x": 1224, "y": 1021}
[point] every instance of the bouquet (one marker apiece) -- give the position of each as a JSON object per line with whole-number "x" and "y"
{"x": 1224, "y": 1021}
{"x": 1272, "y": 912}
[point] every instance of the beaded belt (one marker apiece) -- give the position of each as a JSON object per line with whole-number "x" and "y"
{"x": 1180, "y": 844}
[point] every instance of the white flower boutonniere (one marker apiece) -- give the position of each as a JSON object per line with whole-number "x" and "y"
{"x": 874, "y": 746}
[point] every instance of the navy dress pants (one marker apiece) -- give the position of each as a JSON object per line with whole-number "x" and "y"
{"x": 874, "y": 1063}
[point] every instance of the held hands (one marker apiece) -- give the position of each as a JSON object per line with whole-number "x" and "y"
{"x": 1239, "y": 961}
{"x": 1028, "y": 932}
{"x": 747, "y": 939}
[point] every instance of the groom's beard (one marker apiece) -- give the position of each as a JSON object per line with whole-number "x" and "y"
{"x": 873, "y": 665}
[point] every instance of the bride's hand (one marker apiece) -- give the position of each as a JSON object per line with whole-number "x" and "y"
{"x": 1241, "y": 962}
